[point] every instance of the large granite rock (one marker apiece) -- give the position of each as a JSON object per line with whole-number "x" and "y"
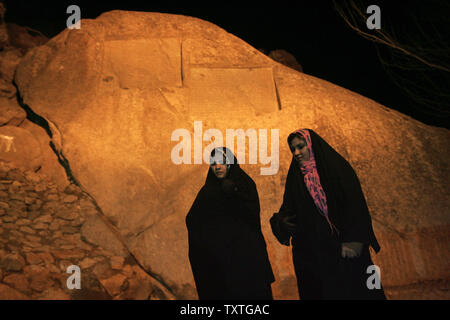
{"x": 114, "y": 91}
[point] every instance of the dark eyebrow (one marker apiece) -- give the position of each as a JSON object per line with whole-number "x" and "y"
{"x": 302, "y": 144}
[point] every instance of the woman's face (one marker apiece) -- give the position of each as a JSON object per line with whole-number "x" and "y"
{"x": 220, "y": 170}
{"x": 219, "y": 166}
{"x": 299, "y": 150}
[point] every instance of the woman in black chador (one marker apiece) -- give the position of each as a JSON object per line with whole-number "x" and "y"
{"x": 325, "y": 213}
{"x": 227, "y": 250}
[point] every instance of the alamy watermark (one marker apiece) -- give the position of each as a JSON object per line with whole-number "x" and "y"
{"x": 74, "y": 281}
{"x": 374, "y": 20}
{"x": 374, "y": 280}
{"x": 257, "y": 146}
{"x": 74, "y": 20}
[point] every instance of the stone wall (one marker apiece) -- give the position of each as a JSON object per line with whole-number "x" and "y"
{"x": 45, "y": 230}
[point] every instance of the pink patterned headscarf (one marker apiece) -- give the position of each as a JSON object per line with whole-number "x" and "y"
{"x": 312, "y": 179}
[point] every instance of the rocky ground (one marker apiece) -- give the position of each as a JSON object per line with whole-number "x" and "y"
{"x": 41, "y": 235}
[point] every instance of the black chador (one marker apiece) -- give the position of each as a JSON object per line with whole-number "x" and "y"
{"x": 227, "y": 250}
{"x": 325, "y": 217}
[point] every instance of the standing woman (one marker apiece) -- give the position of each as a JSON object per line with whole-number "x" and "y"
{"x": 227, "y": 250}
{"x": 325, "y": 213}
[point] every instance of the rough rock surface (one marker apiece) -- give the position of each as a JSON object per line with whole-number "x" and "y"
{"x": 40, "y": 237}
{"x": 284, "y": 57}
{"x": 113, "y": 93}
{"x": 18, "y": 146}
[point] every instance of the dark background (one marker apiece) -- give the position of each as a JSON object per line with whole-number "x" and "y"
{"x": 310, "y": 30}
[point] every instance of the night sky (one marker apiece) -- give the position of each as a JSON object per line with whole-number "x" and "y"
{"x": 311, "y": 30}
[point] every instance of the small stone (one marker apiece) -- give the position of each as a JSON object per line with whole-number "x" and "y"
{"x": 117, "y": 262}
{"x": 33, "y": 214}
{"x": 127, "y": 270}
{"x": 67, "y": 214}
{"x": 87, "y": 263}
{"x": 12, "y": 247}
{"x": 72, "y": 189}
{"x": 17, "y": 281}
{"x": 40, "y": 226}
{"x": 3, "y": 194}
{"x": 32, "y": 194}
{"x": 67, "y": 246}
{"x": 16, "y": 184}
{"x": 44, "y": 219}
{"x": 9, "y": 226}
{"x": 16, "y": 234}
{"x": 33, "y": 238}
{"x": 40, "y": 284}
{"x": 69, "y": 254}
{"x": 114, "y": 284}
{"x": 23, "y": 222}
{"x": 44, "y": 233}
{"x": 33, "y": 258}
{"x": 29, "y": 200}
{"x": 54, "y": 294}
{"x": 40, "y": 187}
{"x": 64, "y": 264}
{"x": 23, "y": 214}
{"x": 31, "y": 244}
{"x": 72, "y": 238}
{"x": 102, "y": 270}
{"x": 17, "y": 196}
{"x": 8, "y": 293}
{"x": 54, "y": 225}
{"x": 2, "y": 212}
{"x": 77, "y": 222}
{"x": 27, "y": 230}
{"x": 32, "y": 176}
{"x": 46, "y": 257}
{"x": 12, "y": 262}
{"x": 36, "y": 205}
{"x": 57, "y": 234}
{"x": 15, "y": 174}
{"x": 70, "y": 198}
{"x": 4, "y": 205}
{"x": 39, "y": 277}
{"x": 53, "y": 268}
{"x": 69, "y": 229}
{"x": 16, "y": 204}
{"x": 52, "y": 196}
{"x": 43, "y": 248}
{"x": 9, "y": 219}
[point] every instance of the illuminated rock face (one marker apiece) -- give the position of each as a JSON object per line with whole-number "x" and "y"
{"x": 115, "y": 91}
{"x": 18, "y": 146}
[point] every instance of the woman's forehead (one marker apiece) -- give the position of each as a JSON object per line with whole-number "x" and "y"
{"x": 298, "y": 139}
{"x": 218, "y": 157}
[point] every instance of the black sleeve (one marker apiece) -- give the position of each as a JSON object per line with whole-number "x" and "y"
{"x": 282, "y": 235}
{"x": 355, "y": 220}
{"x": 245, "y": 196}
{"x": 192, "y": 215}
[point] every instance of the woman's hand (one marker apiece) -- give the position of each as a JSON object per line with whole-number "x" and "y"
{"x": 351, "y": 249}
{"x": 228, "y": 186}
{"x": 288, "y": 223}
